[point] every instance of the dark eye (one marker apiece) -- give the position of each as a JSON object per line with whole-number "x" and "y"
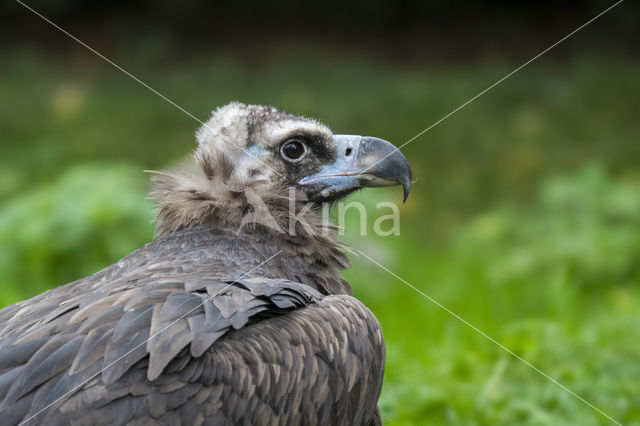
{"x": 293, "y": 150}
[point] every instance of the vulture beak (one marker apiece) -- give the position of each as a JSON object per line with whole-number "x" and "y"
{"x": 362, "y": 161}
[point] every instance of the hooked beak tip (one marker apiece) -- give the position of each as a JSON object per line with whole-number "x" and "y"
{"x": 367, "y": 162}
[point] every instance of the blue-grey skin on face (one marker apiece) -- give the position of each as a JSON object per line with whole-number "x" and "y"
{"x": 362, "y": 161}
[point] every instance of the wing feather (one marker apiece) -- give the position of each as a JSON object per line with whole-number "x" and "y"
{"x": 152, "y": 340}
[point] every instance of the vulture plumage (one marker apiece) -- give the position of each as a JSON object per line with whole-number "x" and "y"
{"x": 236, "y": 314}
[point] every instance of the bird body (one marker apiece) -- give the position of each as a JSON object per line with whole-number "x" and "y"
{"x": 220, "y": 320}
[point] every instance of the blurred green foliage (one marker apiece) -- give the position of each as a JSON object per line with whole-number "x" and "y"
{"x": 524, "y": 219}
{"x": 556, "y": 283}
{"x": 71, "y": 227}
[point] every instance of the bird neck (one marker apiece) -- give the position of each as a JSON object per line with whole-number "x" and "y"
{"x": 260, "y": 253}
{"x": 254, "y": 214}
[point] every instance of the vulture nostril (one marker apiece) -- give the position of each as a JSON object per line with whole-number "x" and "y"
{"x": 348, "y": 152}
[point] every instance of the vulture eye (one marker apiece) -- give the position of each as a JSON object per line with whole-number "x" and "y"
{"x": 293, "y": 150}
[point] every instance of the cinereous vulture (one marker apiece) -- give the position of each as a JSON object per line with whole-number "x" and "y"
{"x": 236, "y": 314}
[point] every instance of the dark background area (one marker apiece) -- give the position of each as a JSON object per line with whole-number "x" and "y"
{"x": 410, "y": 29}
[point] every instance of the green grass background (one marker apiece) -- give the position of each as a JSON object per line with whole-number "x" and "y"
{"x": 524, "y": 219}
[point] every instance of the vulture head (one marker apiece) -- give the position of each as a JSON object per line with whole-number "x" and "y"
{"x": 258, "y": 160}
